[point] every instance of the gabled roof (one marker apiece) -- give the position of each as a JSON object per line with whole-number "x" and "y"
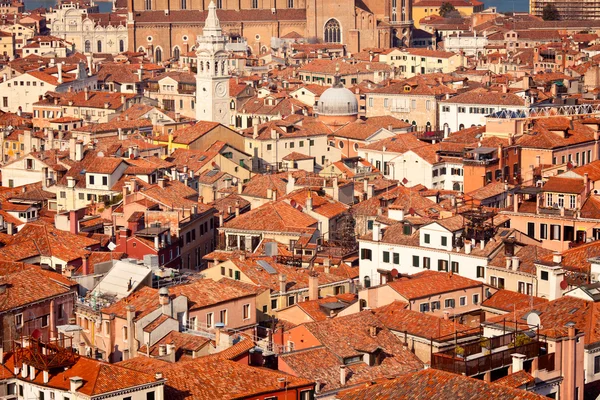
{"x": 212, "y": 377}
{"x": 274, "y": 217}
{"x": 29, "y": 284}
{"x": 508, "y": 301}
{"x": 432, "y": 384}
{"x": 429, "y": 283}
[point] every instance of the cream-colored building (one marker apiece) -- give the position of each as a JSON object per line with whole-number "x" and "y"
{"x": 7, "y": 45}
{"x": 89, "y": 33}
{"x": 415, "y": 61}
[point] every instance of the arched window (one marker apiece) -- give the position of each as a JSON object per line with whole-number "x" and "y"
{"x": 333, "y": 32}
{"x": 363, "y": 304}
{"x": 176, "y": 53}
{"x": 121, "y": 45}
{"x": 148, "y": 4}
{"x": 456, "y": 186}
{"x": 99, "y": 46}
{"x": 461, "y": 127}
{"x": 158, "y": 55}
{"x": 88, "y": 46}
{"x": 367, "y": 281}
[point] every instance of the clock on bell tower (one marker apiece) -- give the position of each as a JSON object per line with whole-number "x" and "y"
{"x": 212, "y": 77}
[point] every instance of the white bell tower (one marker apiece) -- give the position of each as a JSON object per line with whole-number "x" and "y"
{"x": 212, "y": 77}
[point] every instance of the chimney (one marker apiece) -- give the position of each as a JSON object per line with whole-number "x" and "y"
{"x": 515, "y": 263}
{"x": 72, "y": 142}
{"x": 46, "y": 377}
{"x": 90, "y": 66}
{"x": 309, "y": 202}
{"x": 482, "y": 244}
{"x": 221, "y": 219}
{"x": 60, "y": 73}
{"x": 161, "y": 183}
{"x": 371, "y": 191}
{"x": 10, "y": 228}
{"x": 162, "y": 350}
{"x": 586, "y": 184}
{"x": 85, "y": 270}
{"x": 237, "y": 208}
{"x": 446, "y": 315}
{"x": 377, "y": 232}
{"x": 158, "y": 376}
{"x": 31, "y": 372}
{"x": 343, "y": 375}
{"x": 156, "y": 242}
{"x": 517, "y": 362}
{"x": 75, "y": 383}
{"x": 269, "y": 193}
{"x": 326, "y": 265}
{"x": 86, "y": 93}
{"x": 282, "y": 283}
{"x": 557, "y": 258}
{"x": 468, "y": 248}
{"x": 240, "y": 186}
{"x": 255, "y": 132}
{"x": 313, "y": 286}
{"x": 281, "y": 383}
{"x": 73, "y": 222}
{"x": 79, "y": 150}
{"x": 291, "y": 183}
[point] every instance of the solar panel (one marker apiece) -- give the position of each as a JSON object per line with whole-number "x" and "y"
{"x": 212, "y": 172}
{"x": 504, "y": 233}
{"x": 267, "y": 267}
{"x": 202, "y": 158}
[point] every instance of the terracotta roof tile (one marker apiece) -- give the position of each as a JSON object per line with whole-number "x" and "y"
{"x": 429, "y": 283}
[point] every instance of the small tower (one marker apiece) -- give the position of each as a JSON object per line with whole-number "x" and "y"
{"x": 212, "y": 77}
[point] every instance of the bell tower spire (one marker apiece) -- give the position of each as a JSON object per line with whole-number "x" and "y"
{"x": 212, "y": 25}
{"x": 212, "y": 77}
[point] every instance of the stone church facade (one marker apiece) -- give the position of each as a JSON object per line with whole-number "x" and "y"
{"x": 168, "y": 28}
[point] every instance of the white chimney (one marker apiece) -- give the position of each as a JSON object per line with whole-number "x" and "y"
{"x": 75, "y": 383}
{"x": 557, "y": 258}
{"x": 377, "y": 232}
{"x": 515, "y": 263}
{"x": 468, "y": 248}
{"x": 60, "y": 72}
{"x": 343, "y": 375}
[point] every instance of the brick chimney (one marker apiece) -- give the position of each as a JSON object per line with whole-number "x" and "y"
{"x": 85, "y": 269}
{"x": 313, "y": 286}
{"x": 73, "y": 222}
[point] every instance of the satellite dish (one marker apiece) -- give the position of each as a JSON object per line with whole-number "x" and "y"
{"x": 100, "y": 154}
{"x": 36, "y": 334}
{"x": 533, "y": 319}
{"x": 563, "y": 284}
{"x": 394, "y": 272}
{"x": 111, "y": 246}
{"x": 293, "y": 203}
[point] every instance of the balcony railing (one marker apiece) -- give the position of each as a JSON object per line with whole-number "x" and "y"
{"x": 480, "y": 363}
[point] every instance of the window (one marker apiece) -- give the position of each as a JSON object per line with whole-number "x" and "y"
{"x": 444, "y": 241}
{"x": 273, "y": 304}
{"x": 554, "y": 232}
{"x": 462, "y": 301}
{"x": 426, "y": 238}
{"x": 290, "y": 3}
{"x": 531, "y": 229}
{"x": 366, "y": 254}
{"x": 150, "y": 396}
{"x": 45, "y": 320}
{"x": 92, "y": 179}
{"x": 332, "y": 33}
{"x": 121, "y": 46}
{"x": 475, "y": 298}
{"x": 246, "y": 311}
{"x": 125, "y": 333}
{"x": 19, "y": 320}
{"x": 521, "y": 287}
{"x": 386, "y": 256}
{"x": 223, "y": 271}
{"x": 572, "y": 201}
{"x": 480, "y": 272}
{"x": 543, "y": 231}
{"x": 424, "y": 307}
{"x": 455, "y": 267}
{"x": 443, "y": 265}
{"x": 596, "y": 364}
{"x": 426, "y": 262}
{"x": 223, "y": 316}
{"x": 561, "y": 200}
{"x": 104, "y": 180}
{"x": 435, "y": 305}
{"x": 237, "y": 276}
{"x": 254, "y": 3}
{"x": 449, "y": 303}
{"x": 291, "y": 301}
{"x": 415, "y": 262}
{"x": 544, "y": 275}
{"x": 209, "y": 320}
{"x": 367, "y": 281}
{"x": 99, "y": 46}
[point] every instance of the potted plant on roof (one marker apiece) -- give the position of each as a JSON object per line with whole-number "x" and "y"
{"x": 520, "y": 340}
{"x": 459, "y": 351}
{"x": 485, "y": 345}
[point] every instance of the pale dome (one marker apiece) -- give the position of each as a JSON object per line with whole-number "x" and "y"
{"x": 337, "y": 101}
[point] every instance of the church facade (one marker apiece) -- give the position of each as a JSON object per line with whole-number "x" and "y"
{"x": 165, "y": 29}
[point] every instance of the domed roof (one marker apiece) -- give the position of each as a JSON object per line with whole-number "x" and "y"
{"x": 337, "y": 100}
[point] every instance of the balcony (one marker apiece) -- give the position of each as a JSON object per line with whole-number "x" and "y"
{"x": 487, "y": 354}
